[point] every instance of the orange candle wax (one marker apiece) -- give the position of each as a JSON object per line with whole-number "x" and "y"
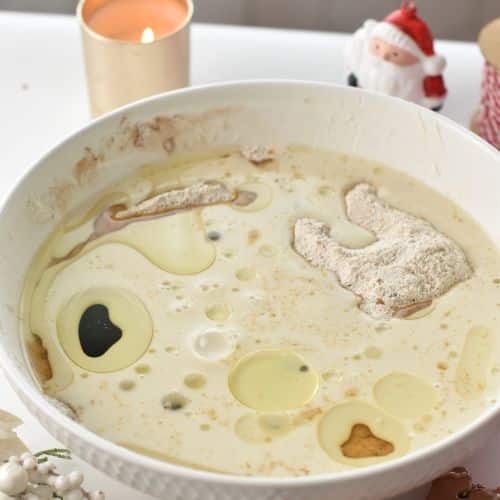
{"x": 138, "y": 20}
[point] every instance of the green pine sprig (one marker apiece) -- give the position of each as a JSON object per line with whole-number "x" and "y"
{"x": 62, "y": 453}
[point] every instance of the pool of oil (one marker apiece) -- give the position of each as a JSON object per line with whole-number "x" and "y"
{"x": 201, "y": 338}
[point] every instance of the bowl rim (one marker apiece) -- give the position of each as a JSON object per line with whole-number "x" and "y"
{"x": 19, "y": 379}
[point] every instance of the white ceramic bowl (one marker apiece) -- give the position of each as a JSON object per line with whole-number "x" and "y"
{"x": 404, "y": 136}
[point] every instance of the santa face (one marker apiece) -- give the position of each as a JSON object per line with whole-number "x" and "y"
{"x": 391, "y": 53}
{"x": 386, "y": 68}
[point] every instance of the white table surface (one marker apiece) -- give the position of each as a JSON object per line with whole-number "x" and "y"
{"x": 43, "y": 99}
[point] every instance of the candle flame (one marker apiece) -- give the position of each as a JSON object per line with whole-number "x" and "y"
{"x": 148, "y": 36}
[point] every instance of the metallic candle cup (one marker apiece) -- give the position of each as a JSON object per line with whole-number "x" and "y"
{"x": 129, "y": 54}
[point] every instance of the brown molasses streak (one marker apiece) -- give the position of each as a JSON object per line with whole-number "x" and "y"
{"x": 106, "y": 223}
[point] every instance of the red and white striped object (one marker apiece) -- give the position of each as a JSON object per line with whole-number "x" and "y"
{"x": 489, "y": 113}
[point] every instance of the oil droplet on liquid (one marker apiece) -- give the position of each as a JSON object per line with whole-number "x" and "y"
{"x": 126, "y": 312}
{"x": 127, "y": 385}
{"x": 195, "y": 380}
{"x": 475, "y": 363}
{"x": 142, "y": 369}
{"x": 336, "y": 426}
{"x": 176, "y": 244}
{"x": 218, "y": 312}
{"x": 404, "y": 395}
{"x": 246, "y": 274}
{"x": 273, "y": 381}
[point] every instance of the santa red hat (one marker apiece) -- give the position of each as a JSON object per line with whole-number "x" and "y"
{"x": 405, "y": 29}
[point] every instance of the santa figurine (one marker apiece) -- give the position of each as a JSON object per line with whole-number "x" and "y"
{"x": 396, "y": 56}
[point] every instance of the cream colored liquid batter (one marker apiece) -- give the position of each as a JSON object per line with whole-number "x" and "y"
{"x": 235, "y": 354}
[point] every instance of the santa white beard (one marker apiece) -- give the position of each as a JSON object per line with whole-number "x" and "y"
{"x": 377, "y": 74}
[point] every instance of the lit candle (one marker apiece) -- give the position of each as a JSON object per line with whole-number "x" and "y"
{"x": 128, "y": 19}
{"x": 134, "y": 49}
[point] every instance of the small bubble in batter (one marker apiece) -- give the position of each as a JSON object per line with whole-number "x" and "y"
{"x": 142, "y": 369}
{"x": 246, "y": 274}
{"x": 127, "y": 385}
{"x": 213, "y": 236}
{"x": 212, "y": 346}
{"x": 174, "y": 401}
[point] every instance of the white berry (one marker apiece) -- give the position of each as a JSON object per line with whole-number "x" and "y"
{"x": 45, "y": 467}
{"x": 29, "y": 463}
{"x": 75, "y": 478}
{"x": 50, "y": 480}
{"x": 13, "y": 479}
{"x": 24, "y": 478}
{"x": 62, "y": 484}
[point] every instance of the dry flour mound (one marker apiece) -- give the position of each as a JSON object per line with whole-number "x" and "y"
{"x": 409, "y": 265}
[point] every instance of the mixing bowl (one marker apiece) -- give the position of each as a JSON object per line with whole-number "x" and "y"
{"x": 424, "y": 144}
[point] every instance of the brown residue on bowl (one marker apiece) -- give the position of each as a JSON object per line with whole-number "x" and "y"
{"x": 161, "y": 134}
{"x": 39, "y": 358}
{"x": 362, "y": 443}
{"x": 160, "y": 129}
{"x": 86, "y": 166}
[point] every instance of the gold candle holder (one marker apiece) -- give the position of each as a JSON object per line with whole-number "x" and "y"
{"x": 126, "y": 60}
